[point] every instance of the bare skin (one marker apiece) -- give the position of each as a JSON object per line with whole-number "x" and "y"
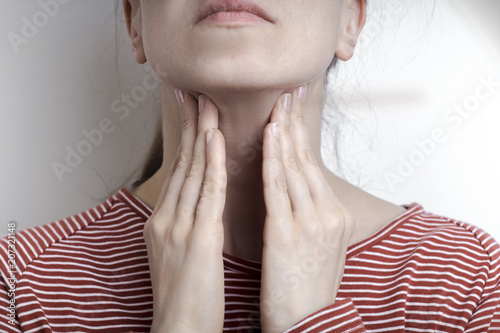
{"x": 304, "y": 219}
{"x": 245, "y": 175}
{"x": 244, "y": 212}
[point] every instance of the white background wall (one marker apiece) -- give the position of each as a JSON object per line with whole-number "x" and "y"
{"x": 413, "y": 64}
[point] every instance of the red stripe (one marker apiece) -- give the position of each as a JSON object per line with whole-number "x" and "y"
{"x": 89, "y": 272}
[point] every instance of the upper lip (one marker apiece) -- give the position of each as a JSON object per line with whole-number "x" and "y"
{"x": 216, "y": 6}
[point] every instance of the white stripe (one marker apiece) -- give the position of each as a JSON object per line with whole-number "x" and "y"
{"x": 67, "y": 245}
{"x": 35, "y": 230}
{"x": 319, "y": 314}
{"x": 396, "y": 222}
{"x": 146, "y": 212}
{"x": 87, "y": 272}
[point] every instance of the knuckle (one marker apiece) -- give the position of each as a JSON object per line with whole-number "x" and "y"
{"x": 215, "y": 163}
{"x": 293, "y": 163}
{"x": 182, "y": 162}
{"x": 168, "y": 232}
{"x": 187, "y": 123}
{"x": 312, "y": 232}
{"x": 342, "y": 222}
{"x": 280, "y": 183}
{"x": 276, "y": 182}
{"x": 336, "y": 224}
{"x": 284, "y": 130}
{"x": 212, "y": 188}
{"x": 307, "y": 155}
{"x": 194, "y": 168}
{"x": 300, "y": 118}
{"x": 209, "y": 189}
{"x": 153, "y": 230}
{"x": 275, "y": 156}
{"x": 202, "y": 131}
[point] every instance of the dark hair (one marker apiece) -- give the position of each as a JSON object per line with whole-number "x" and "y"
{"x": 154, "y": 157}
{"x": 335, "y": 113}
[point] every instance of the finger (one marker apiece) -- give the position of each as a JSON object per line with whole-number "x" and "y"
{"x": 274, "y": 182}
{"x": 190, "y": 192}
{"x": 210, "y": 207}
{"x": 298, "y": 187}
{"x": 318, "y": 186}
{"x": 169, "y": 196}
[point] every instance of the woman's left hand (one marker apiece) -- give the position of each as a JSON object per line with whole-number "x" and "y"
{"x": 307, "y": 230}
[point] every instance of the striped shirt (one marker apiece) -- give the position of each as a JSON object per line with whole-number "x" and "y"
{"x": 90, "y": 273}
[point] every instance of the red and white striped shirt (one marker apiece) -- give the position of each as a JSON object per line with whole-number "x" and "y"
{"x": 89, "y": 273}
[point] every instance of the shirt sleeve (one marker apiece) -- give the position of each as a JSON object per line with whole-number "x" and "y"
{"x": 339, "y": 317}
{"x": 486, "y": 317}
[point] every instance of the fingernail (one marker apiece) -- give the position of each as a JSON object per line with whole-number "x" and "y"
{"x": 287, "y": 103}
{"x": 302, "y": 92}
{"x": 275, "y": 129}
{"x": 201, "y": 102}
{"x": 210, "y": 134}
{"x": 180, "y": 96}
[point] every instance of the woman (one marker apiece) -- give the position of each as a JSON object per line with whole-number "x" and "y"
{"x": 243, "y": 228}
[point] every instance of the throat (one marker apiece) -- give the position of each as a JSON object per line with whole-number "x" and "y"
{"x": 244, "y": 217}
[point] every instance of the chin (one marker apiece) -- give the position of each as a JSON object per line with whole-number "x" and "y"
{"x": 240, "y": 60}
{"x": 239, "y": 76}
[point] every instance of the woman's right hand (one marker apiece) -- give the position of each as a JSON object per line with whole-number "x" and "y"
{"x": 184, "y": 235}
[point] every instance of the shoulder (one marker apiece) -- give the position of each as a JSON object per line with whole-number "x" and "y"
{"x": 451, "y": 246}
{"x": 430, "y": 256}
{"x": 462, "y": 257}
{"x": 31, "y": 243}
{"x": 420, "y": 240}
{"x": 453, "y": 233}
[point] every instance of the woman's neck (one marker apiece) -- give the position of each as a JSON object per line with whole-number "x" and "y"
{"x": 242, "y": 118}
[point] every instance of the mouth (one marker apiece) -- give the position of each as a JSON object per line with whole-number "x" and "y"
{"x": 231, "y": 11}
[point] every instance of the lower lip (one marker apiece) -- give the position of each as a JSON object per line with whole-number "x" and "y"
{"x": 233, "y": 17}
